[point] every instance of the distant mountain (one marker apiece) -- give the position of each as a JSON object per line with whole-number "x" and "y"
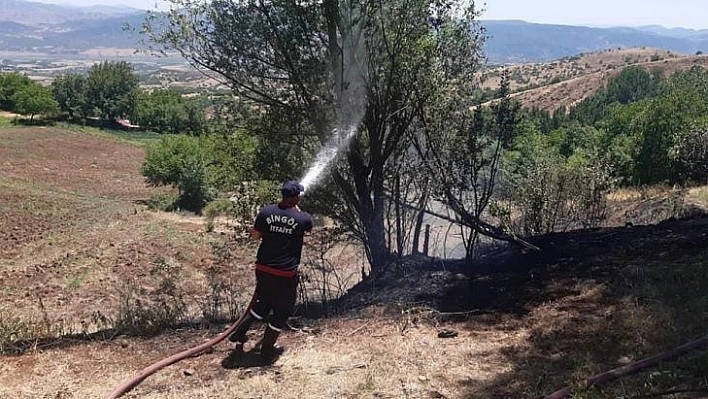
{"x": 675, "y": 32}
{"x": 31, "y": 27}
{"x": 27, "y": 26}
{"x": 111, "y": 10}
{"x": 37, "y": 14}
{"x": 520, "y": 41}
{"x": 13, "y": 28}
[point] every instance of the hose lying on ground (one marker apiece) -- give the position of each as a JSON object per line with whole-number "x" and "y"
{"x": 147, "y": 371}
{"x": 634, "y": 367}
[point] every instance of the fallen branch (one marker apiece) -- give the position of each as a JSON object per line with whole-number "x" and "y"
{"x": 670, "y": 392}
{"x": 481, "y": 227}
{"x": 634, "y": 367}
{"x": 356, "y": 330}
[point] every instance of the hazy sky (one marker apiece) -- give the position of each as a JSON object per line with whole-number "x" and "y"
{"x": 673, "y": 13}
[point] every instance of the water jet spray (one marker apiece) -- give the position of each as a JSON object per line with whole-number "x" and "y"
{"x": 339, "y": 140}
{"x": 349, "y": 94}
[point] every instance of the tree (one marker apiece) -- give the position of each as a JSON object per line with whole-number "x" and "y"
{"x": 35, "y": 99}
{"x": 10, "y": 84}
{"x": 362, "y": 68}
{"x": 631, "y": 85}
{"x": 181, "y": 162}
{"x": 111, "y": 90}
{"x": 70, "y": 92}
{"x": 465, "y": 149}
{"x": 167, "y": 111}
{"x": 680, "y": 104}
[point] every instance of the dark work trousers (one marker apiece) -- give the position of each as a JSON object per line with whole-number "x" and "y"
{"x": 277, "y": 294}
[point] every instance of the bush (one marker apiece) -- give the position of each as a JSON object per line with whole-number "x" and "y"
{"x": 165, "y": 202}
{"x": 162, "y": 307}
{"x": 691, "y": 153}
{"x": 560, "y": 196}
{"x": 194, "y": 185}
{"x": 180, "y": 161}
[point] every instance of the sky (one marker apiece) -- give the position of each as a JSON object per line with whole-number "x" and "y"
{"x": 672, "y": 13}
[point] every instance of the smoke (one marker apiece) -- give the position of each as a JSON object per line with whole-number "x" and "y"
{"x": 350, "y": 92}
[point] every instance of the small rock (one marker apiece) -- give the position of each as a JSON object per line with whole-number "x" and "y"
{"x": 188, "y": 372}
{"x": 447, "y": 334}
{"x": 624, "y": 360}
{"x": 422, "y": 378}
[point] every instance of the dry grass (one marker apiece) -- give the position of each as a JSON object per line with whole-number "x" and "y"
{"x": 375, "y": 361}
{"x": 699, "y": 196}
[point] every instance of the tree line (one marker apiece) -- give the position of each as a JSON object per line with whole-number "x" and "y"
{"x": 108, "y": 92}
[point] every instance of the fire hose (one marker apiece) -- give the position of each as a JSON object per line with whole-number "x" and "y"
{"x": 131, "y": 383}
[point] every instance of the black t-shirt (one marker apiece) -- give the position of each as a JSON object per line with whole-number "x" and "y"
{"x": 282, "y": 230}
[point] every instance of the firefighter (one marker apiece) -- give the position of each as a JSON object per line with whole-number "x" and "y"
{"x": 281, "y": 229}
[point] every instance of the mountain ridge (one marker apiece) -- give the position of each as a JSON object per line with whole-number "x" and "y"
{"x": 34, "y": 14}
{"x": 516, "y": 41}
{"x": 39, "y": 28}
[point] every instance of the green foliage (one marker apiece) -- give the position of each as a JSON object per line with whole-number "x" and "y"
{"x": 644, "y": 122}
{"x": 165, "y": 202}
{"x": 6, "y": 122}
{"x": 691, "y": 154}
{"x": 10, "y": 85}
{"x": 682, "y": 102}
{"x": 166, "y": 111}
{"x": 70, "y": 93}
{"x": 180, "y": 161}
{"x": 194, "y": 184}
{"x": 111, "y": 90}
{"x": 632, "y": 84}
{"x": 199, "y": 166}
{"x": 557, "y": 181}
{"x": 232, "y": 157}
{"x": 34, "y": 99}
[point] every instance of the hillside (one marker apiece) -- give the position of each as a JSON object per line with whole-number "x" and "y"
{"x": 567, "y": 81}
{"x": 80, "y": 250}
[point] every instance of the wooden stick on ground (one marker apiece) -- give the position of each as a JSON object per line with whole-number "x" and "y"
{"x": 634, "y": 367}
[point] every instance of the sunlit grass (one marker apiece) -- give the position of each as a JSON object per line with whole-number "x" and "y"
{"x": 699, "y": 195}
{"x": 6, "y": 122}
{"x": 139, "y": 138}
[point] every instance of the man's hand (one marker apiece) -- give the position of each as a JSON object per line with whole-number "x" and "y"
{"x": 255, "y": 234}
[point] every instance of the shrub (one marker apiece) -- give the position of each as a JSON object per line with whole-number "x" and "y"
{"x": 560, "y": 196}
{"x": 165, "y": 202}
{"x": 179, "y": 161}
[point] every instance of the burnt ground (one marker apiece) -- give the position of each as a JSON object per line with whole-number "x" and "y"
{"x": 591, "y": 300}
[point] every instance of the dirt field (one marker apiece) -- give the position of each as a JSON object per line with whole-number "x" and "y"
{"x": 75, "y": 237}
